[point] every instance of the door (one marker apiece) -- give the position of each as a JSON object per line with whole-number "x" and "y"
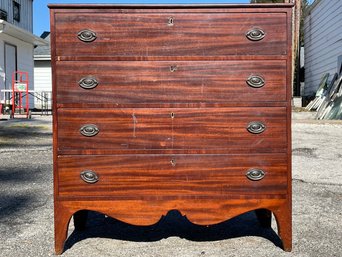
{"x": 10, "y": 67}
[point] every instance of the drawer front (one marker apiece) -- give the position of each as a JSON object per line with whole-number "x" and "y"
{"x": 170, "y": 81}
{"x": 164, "y": 128}
{"x": 166, "y": 177}
{"x": 170, "y": 34}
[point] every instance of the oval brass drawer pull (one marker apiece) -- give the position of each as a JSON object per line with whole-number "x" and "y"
{"x": 256, "y": 127}
{"x": 88, "y": 82}
{"x": 255, "y": 174}
{"x": 255, "y": 81}
{"x": 89, "y": 130}
{"x": 89, "y": 176}
{"x": 255, "y": 34}
{"x": 86, "y": 35}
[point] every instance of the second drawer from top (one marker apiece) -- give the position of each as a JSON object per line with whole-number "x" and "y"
{"x": 143, "y": 82}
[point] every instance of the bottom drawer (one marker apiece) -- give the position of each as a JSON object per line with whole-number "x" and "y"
{"x": 166, "y": 177}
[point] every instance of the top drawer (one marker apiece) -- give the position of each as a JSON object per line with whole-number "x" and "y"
{"x": 122, "y": 35}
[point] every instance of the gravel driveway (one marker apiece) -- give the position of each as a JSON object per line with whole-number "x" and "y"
{"x": 26, "y": 206}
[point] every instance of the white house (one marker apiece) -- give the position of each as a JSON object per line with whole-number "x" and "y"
{"x": 42, "y": 74}
{"x": 16, "y": 43}
{"x": 322, "y": 41}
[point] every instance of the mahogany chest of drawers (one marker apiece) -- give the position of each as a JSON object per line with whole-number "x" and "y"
{"x": 160, "y": 108}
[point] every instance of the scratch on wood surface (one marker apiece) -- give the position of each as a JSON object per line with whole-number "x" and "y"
{"x": 258, "y": 142}
{"x": 135, "y": 121}
{"x": 172, "y": 118}
{"x": 202, "y": 87}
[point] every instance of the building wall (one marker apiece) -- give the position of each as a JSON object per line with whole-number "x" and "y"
{"x": 42, "y": 71}
{"x": 2, "y": 50}
{"x": 26, "y": 13}
{"x": 322, "y": 41}
{"x": 43, "y": 81}
{"x": 24, "y": 59}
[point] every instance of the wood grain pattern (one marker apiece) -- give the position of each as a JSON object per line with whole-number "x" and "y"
{"x": 173, "y": 177}
{"x": 172, "y": 140}
{"x": 232, "y": 103}
{"x": 195, "y": 129}
{"x": 205, "y": 34}
{"x": 153, "y": 82}
{"x": 144, "y": 213}
{"x": 85, "y": 58}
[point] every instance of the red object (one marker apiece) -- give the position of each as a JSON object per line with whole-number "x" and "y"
{"x": 20, "y": 82}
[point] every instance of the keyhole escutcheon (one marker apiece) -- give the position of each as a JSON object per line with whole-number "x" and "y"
{"x": 173, "y": 162}
{"x": 173, "y": 68}
{"x": 170, "y": 21}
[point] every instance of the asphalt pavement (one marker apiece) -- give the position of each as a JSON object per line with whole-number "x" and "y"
{"x": 26, "y": 205}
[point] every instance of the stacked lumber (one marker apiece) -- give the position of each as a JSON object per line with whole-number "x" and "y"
{"x": 328, "y": 98}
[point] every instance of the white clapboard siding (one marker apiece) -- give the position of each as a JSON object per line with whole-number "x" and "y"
{"x": 42, "y": 81}
{"x": 322, "y": 41}
{"x": 42, "y": 74}
{"x": 26, "y": 13}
